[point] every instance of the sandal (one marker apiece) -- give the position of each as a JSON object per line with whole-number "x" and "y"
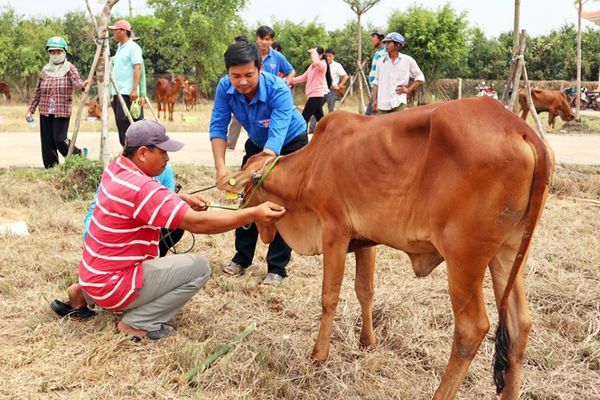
{"x": 272, "y": 279}
{"x": 63, "y": 309}
{"x": 234, "y": 269}
{"x": 165, "y": 330}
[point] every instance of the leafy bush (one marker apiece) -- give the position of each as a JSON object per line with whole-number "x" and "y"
{"x": 78, "y": 177}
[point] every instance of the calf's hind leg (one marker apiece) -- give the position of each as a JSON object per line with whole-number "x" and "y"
{"x": 465, "y": 283}
{"x": 365, "y": 290}
{"x": 518, "y": 318}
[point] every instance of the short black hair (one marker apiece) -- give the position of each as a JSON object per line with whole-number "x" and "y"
{"x": 330, "y": 51}
{"x": 276, "y": 46}
{"x": 240, "y": 39}
{"x": 265, "y": 30}
{"x": 129, "y": 151}
{"x": 242, "y": 53}
{"x": 320, "y": 50}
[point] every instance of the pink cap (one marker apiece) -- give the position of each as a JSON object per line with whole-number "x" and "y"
{"x": 121, "y": 24}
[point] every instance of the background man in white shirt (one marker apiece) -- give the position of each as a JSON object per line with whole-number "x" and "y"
{"x": 393, "y": 73}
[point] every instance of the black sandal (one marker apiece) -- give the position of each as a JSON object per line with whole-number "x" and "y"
{"x": 65, "y": 310}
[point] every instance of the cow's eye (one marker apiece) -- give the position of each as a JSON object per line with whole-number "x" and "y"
{"x": 255, "y": 177}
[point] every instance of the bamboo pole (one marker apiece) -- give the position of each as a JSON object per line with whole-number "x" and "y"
{"x": 210, "y": 360}
{"x": 532, "y": 110}
{"x": 520, "y": 61}
{"x": 104, "y": 154}
{"x": 84, "y": 98}
{"x": 121, "y": 101}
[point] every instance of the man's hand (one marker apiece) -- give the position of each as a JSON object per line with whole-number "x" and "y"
{"x": 374, "y": 104}
{"x": 134, "y": 94}
{"x": 268, "y": 212}
{"x": 221, "y": 173}
{"x": 142, "y": 101}
{"x": 197, "y": 201}
{"x": 400, "y": 89}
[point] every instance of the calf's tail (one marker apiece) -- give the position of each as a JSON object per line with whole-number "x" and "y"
{"x": 539, "y": 186}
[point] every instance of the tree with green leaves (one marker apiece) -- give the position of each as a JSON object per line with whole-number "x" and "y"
{"x": 437, "y": 40}
{"x": 296, "y": 38}
{"x": 204, "y": 29}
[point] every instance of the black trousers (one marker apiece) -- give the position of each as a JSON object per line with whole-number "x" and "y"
{"x": 121, "y": 118}
{"x": 53, "y": 137}
{"x": 278, "y": 255}
{"x": 168, "y": 239}
{"x": 313, "y": 106}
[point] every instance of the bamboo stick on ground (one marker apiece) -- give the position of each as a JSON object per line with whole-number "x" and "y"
{"x": 210, "y": 360}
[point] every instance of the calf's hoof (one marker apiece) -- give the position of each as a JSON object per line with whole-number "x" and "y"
{"x": 367, "y": 343}
{"x": 319, "y": 356}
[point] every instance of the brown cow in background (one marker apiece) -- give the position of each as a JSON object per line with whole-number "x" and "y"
{"x": 190, "y": 95}
{"x": 167, "y": 93}
{"x": 555, "y": 102}
{"x": 5, "y": 90}
{"x": 94, "y": 109}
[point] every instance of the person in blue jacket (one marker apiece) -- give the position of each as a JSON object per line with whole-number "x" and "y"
{"x": 263, "y": 104}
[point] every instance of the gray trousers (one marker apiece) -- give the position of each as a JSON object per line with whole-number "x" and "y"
{"x": 169, "y": 282}
{"x": 234, "y": 132}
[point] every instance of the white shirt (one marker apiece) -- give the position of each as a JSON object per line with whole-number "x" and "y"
{"x": 389, "y": 74}
{"x": 337, "y": 72}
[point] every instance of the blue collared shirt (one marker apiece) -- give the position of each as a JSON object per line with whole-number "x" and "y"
{"x": 276, "y": 63}
{"x": 270, "y": 118}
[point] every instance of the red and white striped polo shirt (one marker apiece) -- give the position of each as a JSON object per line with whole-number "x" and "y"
{"x": 124, "y": 232}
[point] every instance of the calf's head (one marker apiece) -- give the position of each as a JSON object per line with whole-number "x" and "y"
{"x": 245, "y": 183}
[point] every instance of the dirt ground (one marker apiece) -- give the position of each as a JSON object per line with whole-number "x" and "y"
{"x": 23, "y": 148}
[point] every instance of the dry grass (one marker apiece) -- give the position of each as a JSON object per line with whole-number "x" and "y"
{"x": 44, "y": 357}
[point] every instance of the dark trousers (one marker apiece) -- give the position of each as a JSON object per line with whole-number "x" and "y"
{"x": 313, "y": 106}
{"x": 168, "y": 239}
{"x": 121, "y": 118}
{"x": 278, "y": 255}
{"x": 53, "y": 135}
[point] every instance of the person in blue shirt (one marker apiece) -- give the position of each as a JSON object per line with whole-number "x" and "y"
{"x": 377, "y": 37}
{"x": 167, "y": 239}
{"x": 273, "y": 61}
{"x": 263, "y": 104}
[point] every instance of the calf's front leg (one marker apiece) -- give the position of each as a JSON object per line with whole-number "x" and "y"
{"x": 335, "y": 246}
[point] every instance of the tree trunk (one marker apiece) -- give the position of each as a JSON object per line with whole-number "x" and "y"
{"x": 516, "y": 26}
{"x": 361, "y": 107}
{"x": 578, "y": 98}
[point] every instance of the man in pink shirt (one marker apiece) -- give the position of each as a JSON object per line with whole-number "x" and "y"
{"x": 120, "y": 269}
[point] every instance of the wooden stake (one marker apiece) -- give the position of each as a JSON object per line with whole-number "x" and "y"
{"x": 520, "y": 60}
{"x": 532, "y": 109}
{"x": 84, "y": 98}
